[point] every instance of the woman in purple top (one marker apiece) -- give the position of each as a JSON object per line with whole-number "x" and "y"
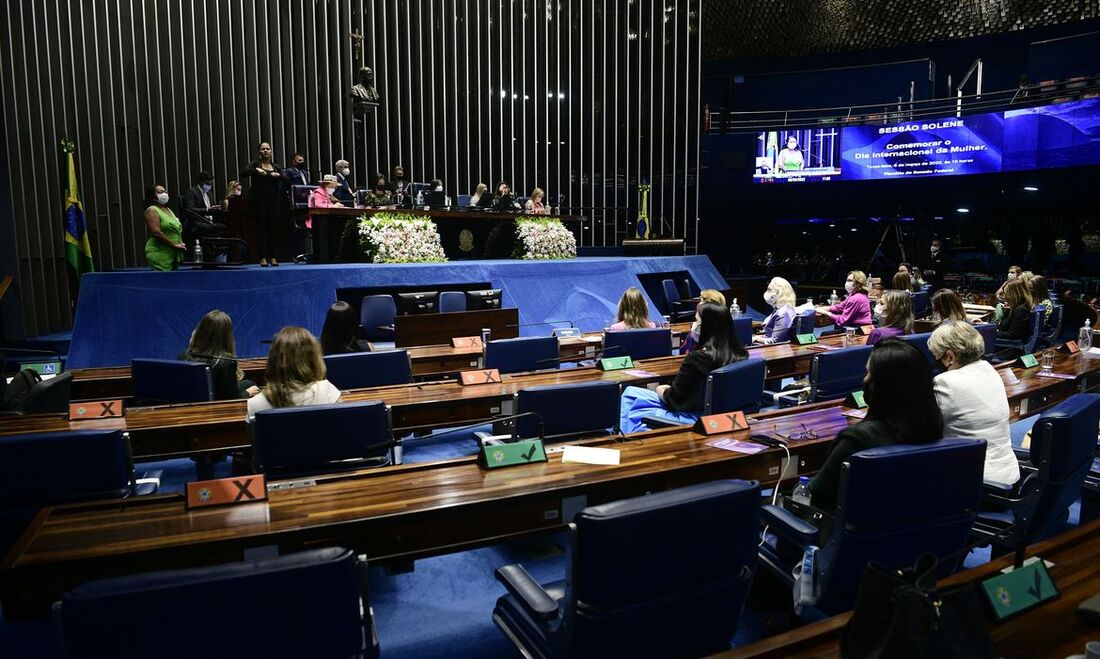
{"x": 855, "y": 309}
{"x": 780, "y": 297}
{"x": 896, "y": 310}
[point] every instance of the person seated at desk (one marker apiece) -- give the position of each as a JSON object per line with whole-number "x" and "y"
{"x": 780, "y": 297}
{"x": 345, "y": 189}
{"x": 1014, "y": 272}
{"x": 295, "y": 374}
{"x": 633, "y": 312}
{"x": 534, "y": 204}
{"x": 895, "y": 308}
{"x": 901, "y": 409}
{"x": 324, "y": 195}
{"x": 195, "y": 205}
{"x": 682, "y": 401}
{"x": 1040, "y": 295}
{"x": 503, "y": 200}
{"x": 340, "y": 335}
{"x": 947, "y": 307}
{"x": 901, "y": 282}
{"x": 855, "y": 309}
{"x": 164, "y": 249}
{"x": 479, "y": 192}
{"x": 380, "y": 194}
{"x": 212, "y": 343}
{"x": 916, "y": 281}
{"x": 1013, "y": 325}
{"x": 972, "y": 398}
{"x": 691, "y": 341}
{"x": 399, "y": 185}
{"x": 232, "y": 191}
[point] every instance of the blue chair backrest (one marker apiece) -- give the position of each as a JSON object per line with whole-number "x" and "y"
{"x": 742, "y": 329}
{"x": 569, "y": 409}
{"x": 1052, "y": 327}
{"x": 189, "y": 609}
{"x": 704, "y": 538}
{"x": 920, "y": 342}
{"x": 369, "y": 369}
{"x": 989, "y": 335}
{"x": 921, "y": 305}
{"x": 896, "y": 503}
{"x": 377, "y": 311}
{"x": 837, "y": 373}
{"x": 450, "y": 301}
{"x": 171, "y": 381}
{"x": 1034, "y": 329}
{"x": 58, "y": 467}
{"x": 296, "y": 441}
{"x": 638, "y": 343}
{"x": 1062, "y": 445}
{"x": 672, "y": 294}
{"x": 736, "y": 386}
{"x": 523, "y": 354}
{"x": 804, "y": 323}
{"x": 463, "y": 200}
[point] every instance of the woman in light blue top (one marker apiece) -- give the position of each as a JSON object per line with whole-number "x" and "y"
{"x": 780, "y": 296}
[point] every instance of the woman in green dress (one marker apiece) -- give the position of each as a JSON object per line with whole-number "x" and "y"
{"x": 165, "y": 248}
{"x": 790, "y": 159}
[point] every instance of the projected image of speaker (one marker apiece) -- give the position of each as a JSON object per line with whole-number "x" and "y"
{"x": 481, "y": 300}
{"x": 416, "y": 303}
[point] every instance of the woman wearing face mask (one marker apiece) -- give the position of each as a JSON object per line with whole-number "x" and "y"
{"x": 264, "y": 194}
{"x": 1013, "y": 274}
{"x": 691, "y": 341}
{"x": 972, "y": 398}
{"x": 896, "y": 310}
{"x": 855, "y": 309}
{"x": 232, "y": 191}
{"x": 164, "y": 249}
{"x": 380, "y": 194}
{"x": 780, "y": 297}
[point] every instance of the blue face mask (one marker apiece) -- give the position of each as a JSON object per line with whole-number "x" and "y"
{"x": 206, "y": 187}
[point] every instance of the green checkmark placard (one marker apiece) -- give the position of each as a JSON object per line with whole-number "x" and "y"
{"x": 524, "y": 451}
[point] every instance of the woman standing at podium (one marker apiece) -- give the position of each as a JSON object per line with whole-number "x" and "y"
{"x": 263, "y": 201}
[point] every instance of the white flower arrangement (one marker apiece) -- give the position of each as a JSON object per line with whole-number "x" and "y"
{"x": 545, "y": 238}
{"x": 400, "y": 238}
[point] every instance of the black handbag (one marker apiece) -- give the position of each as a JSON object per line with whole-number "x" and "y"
{"x": 900, "y": 614}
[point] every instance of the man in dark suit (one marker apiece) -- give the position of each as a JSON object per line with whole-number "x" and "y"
{"x": 936, "y": 265}
{"x": 297, "y": 174}
{"x": 345, "y": 189}
{"x": 195, "y": 205}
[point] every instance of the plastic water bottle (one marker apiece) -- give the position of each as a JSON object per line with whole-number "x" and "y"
{"x": 801, "y": 492}
{"x": 486, "y": 335}
{"x": 832, "y": 298}
{"x": 420, "y": 198}
{"x": 196, "y": 253}
{"x": 735, "y": 309}
{"x": 1084, "y": 338}
{"x": 810, "y": 301}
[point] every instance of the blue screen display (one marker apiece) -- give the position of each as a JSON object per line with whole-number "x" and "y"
{"x": 935, "y": 147}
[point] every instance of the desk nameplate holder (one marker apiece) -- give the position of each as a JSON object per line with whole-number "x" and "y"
{"x": 1028, "y": 361}
{"x": 615, "y": 363}
{"x": 520, "y": 452}
{"x": 566, "y": 332}
{"x": 484, "y": 376}
{"x": 806, "y": 339}
{"x": 857, "y": 399}
{"x": 96, "y": 409}
{"x": 226, "y": 491}
{"x": 467, "y": 342}
{"x": 1017, "y": 590}
{"x": 718, "y": 423}
{"x": 1070, "y": 348}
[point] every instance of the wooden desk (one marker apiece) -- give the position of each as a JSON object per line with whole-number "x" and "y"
{"x": 1053, "y": 629}
{"x": 431, "y": 329}
{"x": 405, "y": 511}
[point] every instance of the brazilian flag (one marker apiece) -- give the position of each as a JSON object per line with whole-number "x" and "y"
{"x": 78, "y": 251}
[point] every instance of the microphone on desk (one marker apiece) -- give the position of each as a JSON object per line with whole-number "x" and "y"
{"x": 495, "y": 419}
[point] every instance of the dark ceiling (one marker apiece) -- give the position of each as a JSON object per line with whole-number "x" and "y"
{"x": 734, "y": 29}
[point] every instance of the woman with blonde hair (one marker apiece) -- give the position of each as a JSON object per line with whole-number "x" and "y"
{"x": 534, "y": 204}
{"x": 480, "y": 191}
{"x": 212, "y": 343}
{"x": 779, "y": 296}
{"x": 713, "y": 296}
{"x": 295, "y": 374}
{"x": 947, "y": 306}
{"x": 896, "y": 310}
{"x": 232, "y": 190}
{"x": 1014, "y": 324}
{"x": 633, "y": 312}
{"x": 855, "y": 309}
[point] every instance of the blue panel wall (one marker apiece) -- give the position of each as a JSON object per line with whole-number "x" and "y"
{"x": 127, "y": 314}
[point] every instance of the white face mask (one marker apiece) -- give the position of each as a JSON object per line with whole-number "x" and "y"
{"x": 162, "y": 199}
{"x": 770, "y": 297}
{"x": 1011, "y": 276}
{"x": 849, "y": 286}
{"x": 236, "y": 193}
{"x": 345, "y": 171}
{"x": 935, "y": 249}
{"x": 879, "y": 309}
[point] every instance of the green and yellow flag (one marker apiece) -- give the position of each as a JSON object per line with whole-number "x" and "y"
{"x": 78, "y": 251}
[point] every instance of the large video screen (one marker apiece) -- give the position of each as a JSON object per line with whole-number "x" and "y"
{"x": 1050, "y": 136}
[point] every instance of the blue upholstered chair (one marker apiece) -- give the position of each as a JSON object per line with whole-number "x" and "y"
{"x": 833, "y": 374}
{"x": 568, "y": 410}
{"x": 921, "y": 305}
{"x": 523, "y": 354}
{"x": 894, "y": 504}
{"x": 742, "y": 329}
{"x": 920, "y": 342}
{"x": 804, "y": 323}
{"x": 675, "y": 306}
{"x": 369, "y": 369}
{"x": 309, "y": 604}
{"x": 43, "y": 469}
{"x": 289, "y": 442}
{"x": 1052, "y": 328}
{"x": 638, "y": 343}
{"x": 735, "y": 387}
{"x": 661, "y": 575}
{"x": 171, "y": 381}
{"x": 989, "y": 335}
{"x": 1034, "y": 328}
{"x": 1063, "y": 442}
{"x": 451, "y": 301}
{"x": 48, "y": 396}
{"x": 376, "y": 314}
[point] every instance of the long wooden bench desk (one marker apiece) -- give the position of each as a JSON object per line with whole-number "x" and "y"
{"x": 405, "y": 511}
{"x": 1052, "y": 629}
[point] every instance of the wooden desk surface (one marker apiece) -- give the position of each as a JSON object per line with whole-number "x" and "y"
{"x": 402, "y": 511}
{"x": 1053, "y": 629}
{"x": 435, "y": 214}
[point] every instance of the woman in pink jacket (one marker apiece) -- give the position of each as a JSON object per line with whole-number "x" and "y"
{"x": 855, "y": 309}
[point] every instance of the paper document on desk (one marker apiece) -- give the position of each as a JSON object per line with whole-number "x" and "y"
{"x": 590, "y": 455}
{"x": 1093, "y": 352}
{"x": 737, "y": 446}
{"x": 640, "y": 373}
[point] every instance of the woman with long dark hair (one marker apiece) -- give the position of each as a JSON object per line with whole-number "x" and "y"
{"x": 264, "y": 197}
{"x": 901, "y": 409}
{"x": 212, "y": 343}
{"x": 682, "y": 401}
{"x": 947, "y": 306}
{"x": 340, "y": 334}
